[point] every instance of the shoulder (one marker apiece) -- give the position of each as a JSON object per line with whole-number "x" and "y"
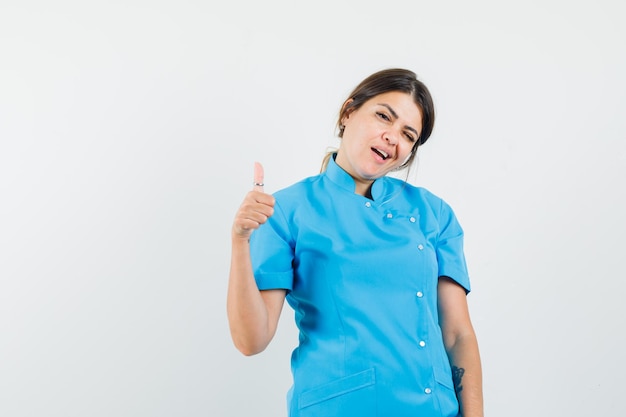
{"x": 432, "y": 208}
{"x": 290, "y": 198}
{"x": 417, "y": 195}
{"x": 299, "y": 189}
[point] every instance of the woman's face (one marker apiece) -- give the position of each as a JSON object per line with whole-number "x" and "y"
{"x": 379, "y": 137}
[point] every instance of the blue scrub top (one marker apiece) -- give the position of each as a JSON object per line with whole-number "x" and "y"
{"x": 361, "y": 275}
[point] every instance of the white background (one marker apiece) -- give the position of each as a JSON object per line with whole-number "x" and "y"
{"x": 128, "y": 131}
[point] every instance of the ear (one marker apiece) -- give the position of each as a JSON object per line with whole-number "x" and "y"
{"x": 346, "y": 110}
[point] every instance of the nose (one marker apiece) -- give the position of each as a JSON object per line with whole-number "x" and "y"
{"x": 391, "y": 136}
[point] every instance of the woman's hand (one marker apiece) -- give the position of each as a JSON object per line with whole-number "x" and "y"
{"x": 252, "y": 314}
{"x": 255, "y": 209}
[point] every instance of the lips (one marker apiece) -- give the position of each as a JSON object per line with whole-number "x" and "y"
{"x": 384, "y": 155}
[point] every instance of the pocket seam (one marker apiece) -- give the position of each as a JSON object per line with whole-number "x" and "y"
{"x": 337, "y": 388}
{"x": 443, "y": 381}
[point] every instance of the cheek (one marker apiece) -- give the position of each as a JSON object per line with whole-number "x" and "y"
{"x": 405, "y": 153}
{"x": 405, "y": 159}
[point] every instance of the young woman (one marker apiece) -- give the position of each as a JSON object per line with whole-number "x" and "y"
{"x": 373, "y": 267}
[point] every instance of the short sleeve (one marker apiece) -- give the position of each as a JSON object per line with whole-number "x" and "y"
{"x": 450, "y": 254}
{"x": 271, "y": 250}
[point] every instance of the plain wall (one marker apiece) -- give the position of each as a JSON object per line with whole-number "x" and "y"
{"x": 128, "y": 131}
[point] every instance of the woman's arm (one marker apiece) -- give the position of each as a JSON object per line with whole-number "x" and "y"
{"x": 252, "y": 314}
{"x": 461, "y": 345}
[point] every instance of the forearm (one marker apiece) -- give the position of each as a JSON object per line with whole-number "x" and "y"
{"x": 467, "y": 374}
{"x": 247, "y": 312}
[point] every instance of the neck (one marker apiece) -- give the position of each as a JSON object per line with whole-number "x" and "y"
{"x": 363, "y": 188}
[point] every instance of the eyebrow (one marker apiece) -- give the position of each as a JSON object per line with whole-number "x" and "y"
{"x": 395, "y": 115}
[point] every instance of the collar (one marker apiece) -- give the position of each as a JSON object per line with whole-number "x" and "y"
{"x": 341, "y": 178}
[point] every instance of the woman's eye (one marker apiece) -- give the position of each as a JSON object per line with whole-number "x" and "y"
{"x": 383, "y": 116}
{"x": 409, "y": 137}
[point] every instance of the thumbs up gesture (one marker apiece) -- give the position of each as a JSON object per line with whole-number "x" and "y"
{"x": 255, "y": 209}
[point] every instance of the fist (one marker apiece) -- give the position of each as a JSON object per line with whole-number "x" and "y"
{"x": 255, "y": 209}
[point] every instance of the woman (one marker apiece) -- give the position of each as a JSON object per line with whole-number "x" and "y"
{"x": 373, "y": 267}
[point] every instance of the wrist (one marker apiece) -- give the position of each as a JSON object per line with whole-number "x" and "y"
{"x": 238, "y": 240}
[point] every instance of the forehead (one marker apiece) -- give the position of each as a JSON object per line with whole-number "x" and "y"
{"x": 401, "y": 103}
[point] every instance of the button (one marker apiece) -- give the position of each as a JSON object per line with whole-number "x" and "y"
{"x": 420, "y": 294}
{"x": 420, "y": 247}
{"x": 368, "y": 204}
{"x": 389, "y": 215}
{"x": 422, "y": 343}
{"x": 412, "y": 219}
{"x": 428, "y": 390}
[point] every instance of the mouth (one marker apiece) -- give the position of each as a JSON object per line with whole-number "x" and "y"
{"x": 384, "y": 155}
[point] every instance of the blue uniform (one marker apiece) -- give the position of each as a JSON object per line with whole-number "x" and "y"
{"x": 361, "y": 276}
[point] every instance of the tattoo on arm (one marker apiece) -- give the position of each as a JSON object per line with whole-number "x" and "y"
{"x": 457, "y": 375}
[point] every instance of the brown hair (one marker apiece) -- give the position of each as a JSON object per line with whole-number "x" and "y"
{"x": 393, "y": 79}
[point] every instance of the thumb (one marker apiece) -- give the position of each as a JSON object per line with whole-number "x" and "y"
{"x": 258, "y": 177}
